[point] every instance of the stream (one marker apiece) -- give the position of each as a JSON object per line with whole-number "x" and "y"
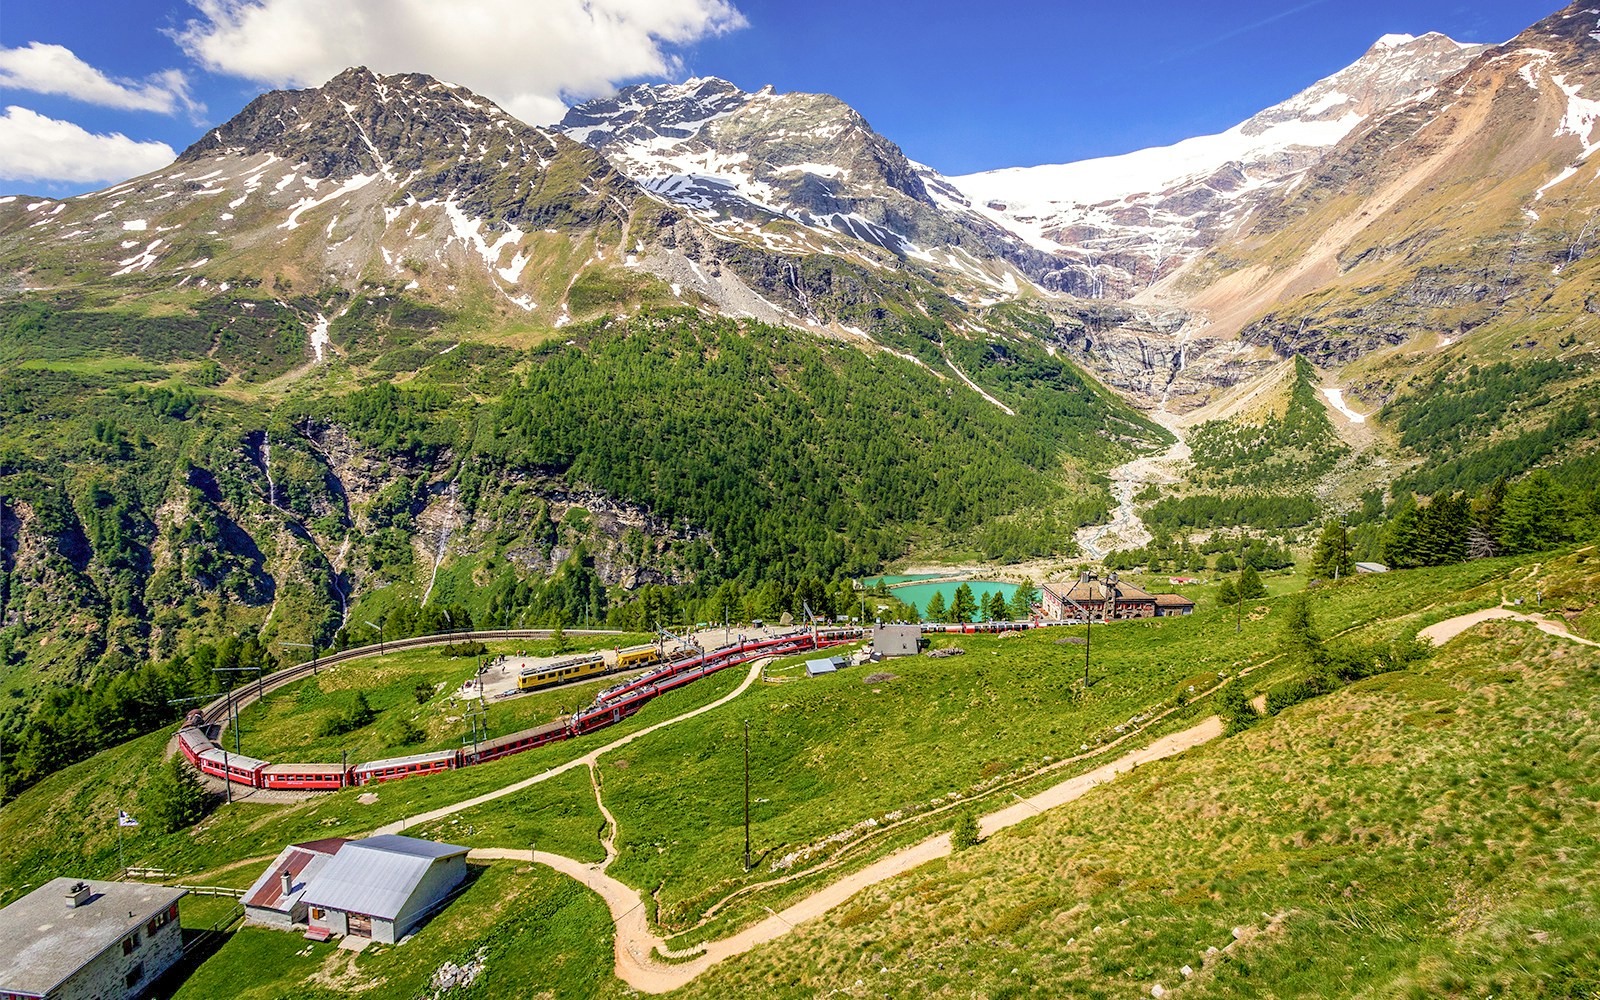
{"x": 1126, "y": 530}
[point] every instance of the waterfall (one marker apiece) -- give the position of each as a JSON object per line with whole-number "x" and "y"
{"x": 444, "y": 539}
{"x": 266, "y": 465}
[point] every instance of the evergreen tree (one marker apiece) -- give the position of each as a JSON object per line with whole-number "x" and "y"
{"x": 1298, "y": 638}
{"x": 1022, "y": 601}
{"x": 964, "y": 607}
{"x": 1400, "y": 540}
{"x": 965, "y": 832}
{"x": 1250, "y": 586}
{"x": 1227, "y": 594}
{"x": 1331, "y": 558}
{"x": 936, "y": 608}
{"x": 1226, "y": 563}
{"x": 996, "y": 609}
{"x": 1533, "y": 516}
{"x": 175, "y": 798}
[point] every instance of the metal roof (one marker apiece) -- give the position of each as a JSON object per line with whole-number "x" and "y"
{"x": 375, "y": 876}
{"x": 416, "y": 758}
{"x": 218, "y": 755}
{"x": 815, "y": 667}
{"x": 48, "y": 942}
{"x": 267, "y": 891}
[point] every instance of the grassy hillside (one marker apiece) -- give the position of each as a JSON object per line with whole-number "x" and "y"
{"x": 1424, "y": 833}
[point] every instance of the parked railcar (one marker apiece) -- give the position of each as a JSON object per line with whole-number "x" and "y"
{"x": 577, "y": 668}
{"x": 304, "y": 776}
{"x": 638, "y": 656}
{"x": 395, "y": 768}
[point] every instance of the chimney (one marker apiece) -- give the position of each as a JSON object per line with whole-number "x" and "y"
{"x": 78, "y": 894}
{"x": 287, "y": 881}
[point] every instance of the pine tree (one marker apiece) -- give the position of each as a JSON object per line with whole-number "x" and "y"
{"x": 1533, "y": 517}
{"x": 1227, "y": 594}
{"x": 996, "y": 610}
{"x": 1250, "y": 586}
{"x": 1331, "y": 558}
{"x": 1400, "y": 540}
{"x": 964, "y": 607}
{"x": 1022, "y": 601}
{"x": 174, "y": 798}
{"x": 965, "y": 832}
{"x": 936, "y": 608}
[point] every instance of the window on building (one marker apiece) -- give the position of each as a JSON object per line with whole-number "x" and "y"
{"x": 134, "y": 975}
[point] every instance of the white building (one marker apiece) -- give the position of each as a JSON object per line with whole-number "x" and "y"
{"x": 382, "y": 887}
{"x": 73, "y": 939}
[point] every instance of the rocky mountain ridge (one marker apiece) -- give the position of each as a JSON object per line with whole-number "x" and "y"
{"x": 1132, "y": 219}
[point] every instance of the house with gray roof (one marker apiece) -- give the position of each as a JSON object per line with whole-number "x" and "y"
{"x": 74, "y": 938}
{"x": 383, "y": 887}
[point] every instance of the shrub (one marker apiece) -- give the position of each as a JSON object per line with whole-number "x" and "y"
{"x": 1233, "y": 703}
{"x": 965, "y": 832}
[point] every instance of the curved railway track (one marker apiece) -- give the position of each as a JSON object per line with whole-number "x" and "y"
{"x": 215, "y": 712}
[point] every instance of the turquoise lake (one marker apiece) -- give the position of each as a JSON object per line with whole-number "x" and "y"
{"x": 921, "y": 593}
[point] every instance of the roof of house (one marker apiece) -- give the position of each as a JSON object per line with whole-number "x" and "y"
{"x": 820, "y": 666}
{"x": 377, "y": 875}
{"x": 1095, "y": 590}
{"x": 49, "y": 942}
{"x": 1173, "y": 601}
{"x": 302, "y": 862}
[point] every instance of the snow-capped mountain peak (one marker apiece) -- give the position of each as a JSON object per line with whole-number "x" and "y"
{"x": 1142, "y": 212}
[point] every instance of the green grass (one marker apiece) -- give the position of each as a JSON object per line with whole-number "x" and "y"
{"x": 538, "y": 935}
{"x": 77, "y": 806}
{"x": 1429, "y": 833}
{"x": 287, "y": 725}
{"x": 558, "y": 815}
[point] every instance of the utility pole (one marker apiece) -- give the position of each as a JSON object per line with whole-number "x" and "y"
{"x": 379, "y": 630}
{"x": 233, "y": 714}
{"x": 747, "y": 795}
{"x": 305, "y": 645}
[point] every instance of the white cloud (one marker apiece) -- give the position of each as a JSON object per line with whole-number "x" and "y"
{"x": 55, "y": 69}
{"x": 36, "y": 148}
{"x": 524, "y": 54}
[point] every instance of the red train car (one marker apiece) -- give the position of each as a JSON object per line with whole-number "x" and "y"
{"x": 395, "y": 768}
{"x": 505, "y": 746}
{"x": 297, "y": 777}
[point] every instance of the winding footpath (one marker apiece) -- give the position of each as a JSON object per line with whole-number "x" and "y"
{"x": 1440, "y": 633}
{"x": 588, "y": 760}
{"x": 636, "y": 945}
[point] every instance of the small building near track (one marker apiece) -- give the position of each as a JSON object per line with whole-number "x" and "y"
{"x": 897, "y": 640}
{"x": 1090, "y": 598}
{"x": 383, "y": 887}
{"x": 825, "y": 665}
{"x": 79, "y": 938}
{"x": 1168, "y": 605}
{"x": 275, "y": 899}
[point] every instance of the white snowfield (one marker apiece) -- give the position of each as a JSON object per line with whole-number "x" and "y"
{"x": 1336, "y": 400}
{"x": 1031, "y": 200}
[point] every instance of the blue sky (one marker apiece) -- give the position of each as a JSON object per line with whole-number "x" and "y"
{"x": 95, "y": 90}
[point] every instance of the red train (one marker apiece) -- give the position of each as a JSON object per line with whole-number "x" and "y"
{"x": 611, "y": 706}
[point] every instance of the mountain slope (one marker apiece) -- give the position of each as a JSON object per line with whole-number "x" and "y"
{"x": 799, "y": 173}
{"x": 1458, "y": 231}
{"x": 1131, "y": 219}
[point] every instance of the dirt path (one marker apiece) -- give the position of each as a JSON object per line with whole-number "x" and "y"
{"x": 1440, "y": 633}
{"x": 636, "y": 944}
{"x": 587, "y": 760}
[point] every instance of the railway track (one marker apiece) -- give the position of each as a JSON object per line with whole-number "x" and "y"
{"x": 215, "y": 712}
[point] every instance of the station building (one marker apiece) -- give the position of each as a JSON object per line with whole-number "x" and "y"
{"x": 1091, "y": 598}
{"x": 76, "y": 939}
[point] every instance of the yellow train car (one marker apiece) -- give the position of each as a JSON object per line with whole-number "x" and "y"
{"x": 638, "y": 656}
{"x": 592, "y": 665}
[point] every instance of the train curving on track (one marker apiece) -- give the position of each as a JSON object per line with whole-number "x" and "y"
{"x": 610, "y": 707}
